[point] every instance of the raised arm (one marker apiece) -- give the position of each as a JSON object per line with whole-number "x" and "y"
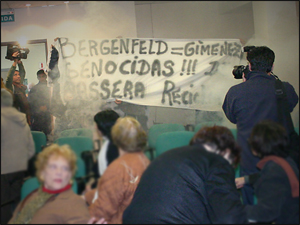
{"x": 11, "y": 72}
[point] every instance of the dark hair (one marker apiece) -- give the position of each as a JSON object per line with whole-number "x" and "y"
{"x": 40, "y": 72}
{"x": 269, "y": 138}
{"x": 105, "y": 120}
{"x": 219, "y": 136}
{"x": 261, "y": 59}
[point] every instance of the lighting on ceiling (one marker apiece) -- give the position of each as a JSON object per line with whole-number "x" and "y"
{"x": 44, "y": 6}
{"x": 51, "y": 5}
{"x": 66, "y": 2}
{"x": 28, "y": 4}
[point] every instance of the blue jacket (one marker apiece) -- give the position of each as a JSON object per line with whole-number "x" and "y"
{"x": 250, "y": 102}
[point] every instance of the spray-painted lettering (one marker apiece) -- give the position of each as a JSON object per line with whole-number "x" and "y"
{"x": 172, "y": 95}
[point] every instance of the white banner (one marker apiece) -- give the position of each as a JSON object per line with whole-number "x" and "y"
{"x": 191, "y": 74}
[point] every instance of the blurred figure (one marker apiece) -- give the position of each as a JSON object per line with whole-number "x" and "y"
{"x": 17, "y": 147}
{"x": 277, "y": 186}
{"x": 117, "y": 185}
{"x": 109, "y": 151}
{"x": 14, "y": 82}
{"x": 39, "y": 101}
{"x": 54, "y": 202}
{"x": 3, "y": 86}
{"x": 191, "y": 184}
{"x": 29, "y": 87}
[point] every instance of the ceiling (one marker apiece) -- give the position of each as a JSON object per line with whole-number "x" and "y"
{"x": 22, "y": 4}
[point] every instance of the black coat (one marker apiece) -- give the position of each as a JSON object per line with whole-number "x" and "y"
{"x": 186, "y": 185}
{"x": 274, "y": 199}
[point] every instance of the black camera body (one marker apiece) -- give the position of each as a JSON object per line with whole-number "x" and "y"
{"x": 239, "y": 70}
{"x": 23, "y": 52}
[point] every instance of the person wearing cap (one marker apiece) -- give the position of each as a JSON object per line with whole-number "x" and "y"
{"x": 39, "y": 100}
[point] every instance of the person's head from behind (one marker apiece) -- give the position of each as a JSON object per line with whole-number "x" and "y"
{"x": 219, "y": 140}
{"x": 16, "y": 77}
{"x": 6, "y": 98}
{"x": 41, "y": 76}
{"x": 105, "y": 120}
{"x": 55, "y": 165}
{"x": 269, "y": 138}
{"x": 128, "y": 135}
{"x": 261, "y": 59}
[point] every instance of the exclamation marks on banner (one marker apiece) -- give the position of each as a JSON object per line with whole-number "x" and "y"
{"x": 191, "y": 67}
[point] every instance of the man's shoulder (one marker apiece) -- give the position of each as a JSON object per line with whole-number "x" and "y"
{"x": 237, "y": 87}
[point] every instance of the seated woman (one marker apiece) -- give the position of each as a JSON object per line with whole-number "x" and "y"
{"x": 109, "y": 151}
{"x": 190, "y": 184}
{"x": 54, "y": 202}
{"x": 277, "y": 185}
{"x": 117, "y": 185}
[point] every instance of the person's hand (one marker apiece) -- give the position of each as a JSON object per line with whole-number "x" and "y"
{"x": 56, "y": 39}
{"x": 14, "y": 55}
{"x": 244, "y": 78}
{"x": 239, "y": 182}
{"x": 118, "y": 101}
{"x": 100, "y": 221}
{"x": 43, "y": 108}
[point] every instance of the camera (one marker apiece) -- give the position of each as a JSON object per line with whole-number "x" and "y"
{"x": 239, "y": 70}
{"x": 23, "y": 52}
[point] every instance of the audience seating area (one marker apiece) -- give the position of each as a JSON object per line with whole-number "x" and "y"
{"x": 161, "y": 138}
{"x": 170, "y": 140}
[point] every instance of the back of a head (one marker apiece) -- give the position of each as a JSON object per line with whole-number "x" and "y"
{"x": 269, "y": 138}
{"x": 6, "y": 98}
{"x": 41, "y": 71}
{"x": 261, "y": 59}
{"x": 129, "y": 135}
{"x": 105, "y": 121}
{"x": 219, "y": 138}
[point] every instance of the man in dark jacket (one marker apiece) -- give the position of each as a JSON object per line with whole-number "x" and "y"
{"x": 39, "y": 100}
{"x": 190, "y": 184}
{"x": 252, "y": 101}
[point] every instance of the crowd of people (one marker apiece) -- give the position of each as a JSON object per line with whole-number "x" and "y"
{"x": 189, "y": 184}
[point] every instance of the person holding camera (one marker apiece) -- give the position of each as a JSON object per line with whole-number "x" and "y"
{"x": 14, "y": 82}
{"x": 252, "y": 101}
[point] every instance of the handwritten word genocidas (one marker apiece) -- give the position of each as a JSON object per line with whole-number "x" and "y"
{"x": 86, "y": 48}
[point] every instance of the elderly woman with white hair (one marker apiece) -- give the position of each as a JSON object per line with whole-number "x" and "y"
{"x": 17, "y": 147}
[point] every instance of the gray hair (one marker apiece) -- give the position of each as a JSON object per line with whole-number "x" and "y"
{"x": 6, "y": 98}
